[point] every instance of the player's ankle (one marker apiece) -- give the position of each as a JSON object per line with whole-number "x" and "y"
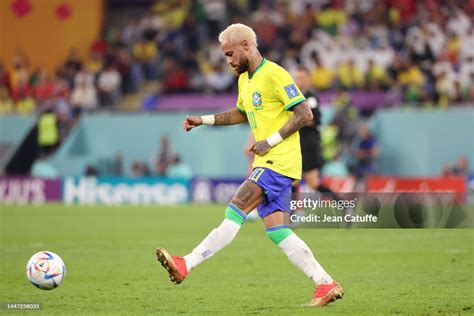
{"x": 323, "y": 279}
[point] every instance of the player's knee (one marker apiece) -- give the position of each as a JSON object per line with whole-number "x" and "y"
{"x": 278, "y": 233}
{"x": 247, "y": 196}
{"x": 237, "y": 202}
{"x": 235, "y": 214}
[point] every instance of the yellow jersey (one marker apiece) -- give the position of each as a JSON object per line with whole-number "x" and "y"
{"x": 266, "y": 96}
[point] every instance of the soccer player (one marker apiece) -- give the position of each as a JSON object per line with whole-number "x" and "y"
{"x": 275, "y": 109}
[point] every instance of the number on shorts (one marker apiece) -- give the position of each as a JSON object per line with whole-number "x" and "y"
{"x": 257, "y": 172}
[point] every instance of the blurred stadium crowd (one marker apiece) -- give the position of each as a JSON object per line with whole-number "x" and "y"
{"x": 422, "y": 50}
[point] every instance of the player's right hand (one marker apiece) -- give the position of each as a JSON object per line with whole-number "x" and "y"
{"x": 191, "y": 122}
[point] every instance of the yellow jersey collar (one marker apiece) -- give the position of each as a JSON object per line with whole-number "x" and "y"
{"x": 258, "y": 68}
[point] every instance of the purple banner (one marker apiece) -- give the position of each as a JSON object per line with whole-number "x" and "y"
{"x": 16, "y": 190}
{"x": 205, "y": 190}
{"x": 362, "y": 100}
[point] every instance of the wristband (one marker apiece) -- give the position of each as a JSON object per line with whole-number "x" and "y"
{"x": 274, "y": 139}
{"x": 208, "y": 120}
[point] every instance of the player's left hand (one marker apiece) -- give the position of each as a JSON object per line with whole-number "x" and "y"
{"x": 260, "y": 148}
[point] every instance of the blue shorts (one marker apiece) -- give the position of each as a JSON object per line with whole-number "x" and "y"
{"x": 276, "y": 189}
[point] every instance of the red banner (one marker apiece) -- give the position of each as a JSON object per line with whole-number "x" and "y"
{"x": 416, "y": 184}
{"x": 339, "y": 184}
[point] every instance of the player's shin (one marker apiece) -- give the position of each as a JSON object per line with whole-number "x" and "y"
{"x": 298, "y": 253}
{"x": 218, "y": 238}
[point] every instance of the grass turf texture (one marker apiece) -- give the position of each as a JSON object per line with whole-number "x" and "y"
{"x": 111, "y": 267}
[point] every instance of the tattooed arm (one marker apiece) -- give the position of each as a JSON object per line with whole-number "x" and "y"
{"x": 230, "y": 117}
{"x": 302, "y": 116}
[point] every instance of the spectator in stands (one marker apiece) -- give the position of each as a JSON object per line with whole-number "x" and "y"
{"x": 24, "y": 102}
{"x": 419, "y": 48}
{"x": 321, "y": 75}
{"x": 179, "y": 169}
{"x": 411, "y": 80}
{"x": 265, "y": 21}
{"x": 108, "y": 85}
{"x": 461, "y": 168}
{"x": 214, "y": 15}
{"x": 91, "y": 171}
{"x": 164, "y": 158}
{"x": 131, "y": 32}
{"x": 20, "y": 73}
{"x": 21, "y": 88}
{"x": 117, "y": 165}
{"x": 290, "y": 59}
{"x": 366, "y": 152}
{"x": 446, "y": 89}
{"x": 176, "y": 78}
{"x": 84, "y": 95}
{"x": 83, "y": 75}
{"x": 350, "y": 75}
{"x": 72, "y": 66}
{"x": 332, "y": 17}
{"x": 466, "y": 69}
{"x": 4, "y": 78}
{"x": 376, "y": 77}
{"x": 443, "y": 65}
{"x": 194, "y": 34}
{"x": 219, "y": 79}
{"x": 63, "y": 119}
{"x": 60, "y": 85}
{"x": 6, "y": 103}
{"x": 140, "y": 170}
{"x": 470, "y": 89}
{"x": 73, "y": 60}
{"x": 146, "y": 53}
{"x": 196, "y": 79}
{"x": 124, "y": 64}
{"x": 94, "y": 63}
{"x": 44, "y": 87}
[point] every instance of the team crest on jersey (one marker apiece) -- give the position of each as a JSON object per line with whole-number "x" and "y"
{"x": 257, "y": 100}
{"x": 291, "y": 91}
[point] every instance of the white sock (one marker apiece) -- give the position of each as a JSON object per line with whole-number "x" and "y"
{"x": 301, "y": 256}
{"x": 217, "y": 239}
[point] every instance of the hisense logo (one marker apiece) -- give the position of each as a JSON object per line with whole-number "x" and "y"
{"x": 90, "y": 191}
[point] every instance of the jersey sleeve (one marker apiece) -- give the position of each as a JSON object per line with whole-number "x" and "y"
{"x": 240, "y": 102}
{"x": 286, "y": 90}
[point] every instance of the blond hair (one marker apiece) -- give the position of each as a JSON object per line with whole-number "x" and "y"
{"x": 238, "y": 32}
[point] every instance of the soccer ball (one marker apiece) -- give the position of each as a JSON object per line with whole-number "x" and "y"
{"x": 45, "y": 270}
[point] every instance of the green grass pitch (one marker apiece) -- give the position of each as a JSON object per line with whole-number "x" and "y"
{"x": 111, "y": 268}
